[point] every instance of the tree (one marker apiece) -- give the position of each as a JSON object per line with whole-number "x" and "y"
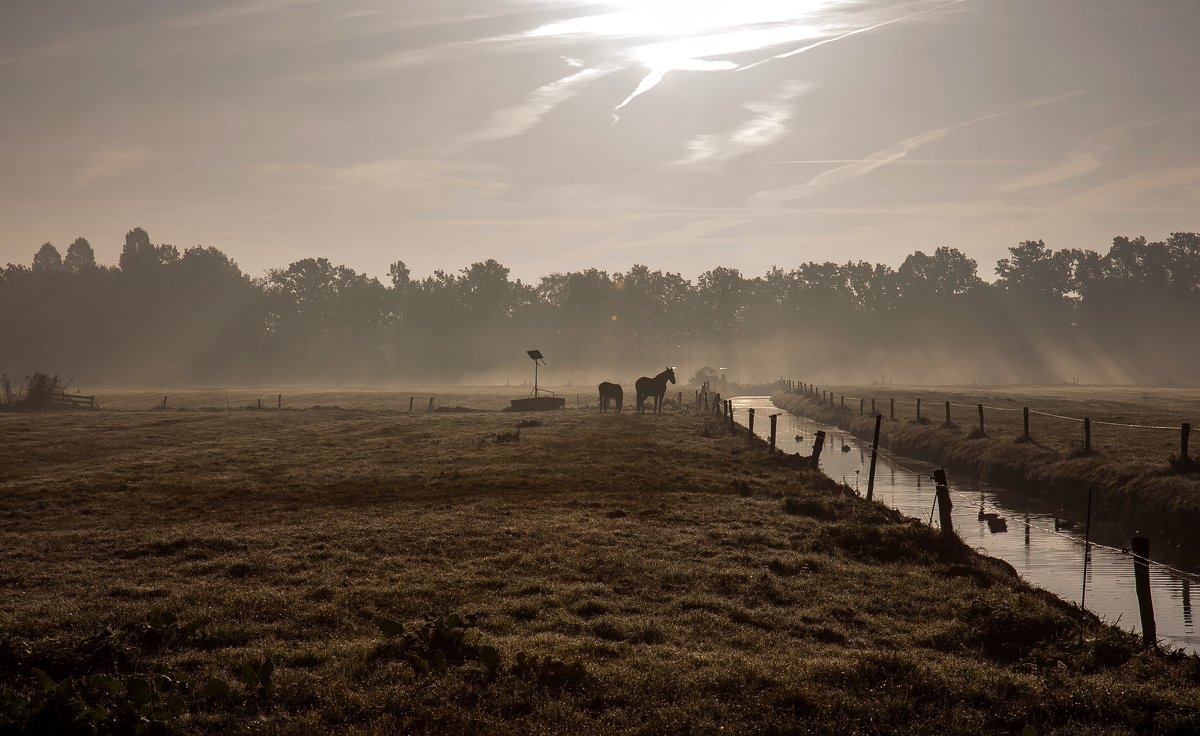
{"x": 80, "y": 256}
{"x": 1032, "y": 268}
{"x": 140, "y": 255}
{"x": 946, "y": 273}
{"x": 47, "y": 259}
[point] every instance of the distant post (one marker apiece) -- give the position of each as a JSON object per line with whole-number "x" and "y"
{"x": 1140, "y": 546}
{"x": 873, "y": 406}
{"x": 918, "y": 411}
{"x": 1087, "y": 435}
{"x": 410, "y": 404}
{"x": 981, "y": 430}
{"x": 874, "y": 454}
{"x": 943, "y": 500}
{"x": 164, "y": 404}
{"x": 1184, "y": 432}
{"x": 818, "y": 445}
{"x": 729, "y": 407}
{"x": 430, "y": 408}
{"x": 774, "y": 421}
{"x": 260, "y": 403}
{"x": 1026, "y": 412}
{"x": 750, "y": 428}
{"x": 947, "y": 413}
{"x": 893, "y": 410}
{"x": 862, "y": 407}
{"x": 279, "y": 401}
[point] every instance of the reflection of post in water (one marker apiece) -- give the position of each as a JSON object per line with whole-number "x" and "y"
{"x": 1026, "y": 530}
{"x": 1187, "y": 603}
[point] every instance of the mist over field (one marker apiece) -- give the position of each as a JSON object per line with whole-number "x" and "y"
{"x": 1126, "y": 314}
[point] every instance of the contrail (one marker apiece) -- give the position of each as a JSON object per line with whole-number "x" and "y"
{"x": 651, "y": 80}
{"x": 848, "y": 34}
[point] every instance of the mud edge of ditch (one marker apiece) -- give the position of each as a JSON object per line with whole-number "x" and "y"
{"x": 1137, "y": 501}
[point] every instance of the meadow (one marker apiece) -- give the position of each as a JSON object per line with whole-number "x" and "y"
{"x": 1136, "y": 473}
{"x": 358, "y": 569}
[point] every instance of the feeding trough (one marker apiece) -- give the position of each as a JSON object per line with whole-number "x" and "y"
{"x": 536, "y": 401}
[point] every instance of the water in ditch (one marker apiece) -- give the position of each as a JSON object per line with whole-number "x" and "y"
{"x": 1043, "y": 556}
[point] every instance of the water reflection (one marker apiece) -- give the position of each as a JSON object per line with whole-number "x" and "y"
{"x": 1045, "y": 556}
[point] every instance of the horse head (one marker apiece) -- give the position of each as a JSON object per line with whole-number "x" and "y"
{"x": 670, "y": 374}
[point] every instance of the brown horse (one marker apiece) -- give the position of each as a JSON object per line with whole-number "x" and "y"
{"x": 611, "y": 392}
{"x": 656, "y": 387}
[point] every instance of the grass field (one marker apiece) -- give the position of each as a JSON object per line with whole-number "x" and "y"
{"x": 1135, "y": 471}
{"x": 376, "y": 572}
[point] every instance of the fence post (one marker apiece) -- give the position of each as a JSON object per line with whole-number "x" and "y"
{"x": 410, "y": 403}
{"x": 947, "y": 413}
{"x": 873, "y": 412}
{"x": 164, "y": 404}
{"x": 729, "y": 408}
{"x": 918, "y": 411}
{"x": 893, "y": 410}
{"x": 818, "y": 445}
{"x": 774, "y": 421}
{"x": 1026, "y": 412}
{"x": 943, "y": 500}
{"x": 874, "y": 453}
{"x": 862, "y": 407}
{"x": 1140, "y": 546}
{"x": 750, "y": 428}
{"x": 1184, "y": 431}
{"x": 981, "y": 430}
{"x": 697, "y": 398}
{"x": 1087, "y": 435}
{"x": 430, "y": 407}
{"x": 260, "y": 403}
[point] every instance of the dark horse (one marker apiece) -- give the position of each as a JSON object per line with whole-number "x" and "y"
{"x": 656, "y": 387}
{"x": 611, "y": 391}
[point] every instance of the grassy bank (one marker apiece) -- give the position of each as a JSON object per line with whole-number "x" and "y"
{"x": 374, "y": 572}
{"x": 1135, "y": 472}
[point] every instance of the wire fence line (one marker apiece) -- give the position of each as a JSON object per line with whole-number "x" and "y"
{"x": 812, "y": 390}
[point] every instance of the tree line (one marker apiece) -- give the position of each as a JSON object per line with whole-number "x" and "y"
{"x": 165, "y": 315}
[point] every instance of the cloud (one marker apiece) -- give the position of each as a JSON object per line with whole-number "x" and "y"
{"x": 110, "y": 161}
{"x": 381, "y": 174}
{"x": 518, "y": 119}
{"x": 827, "y": 180}
{"x": 768, "y": 125}
{"x": 1085, "y": 159}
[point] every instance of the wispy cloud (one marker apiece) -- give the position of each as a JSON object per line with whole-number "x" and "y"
{"x": 855, "y": 32}
{"x": 827, "y": 180}
{"x": 1089, "y": 156}
{"x": 383, "y": 174}
{"x": 518, "y": 119}
{"x": 771, "y": 117}
{"x": 110, "y": 161}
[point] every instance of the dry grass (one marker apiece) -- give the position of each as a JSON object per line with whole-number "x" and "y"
{"x": 1135, "y": 471}
{"x": 702, "y": 586}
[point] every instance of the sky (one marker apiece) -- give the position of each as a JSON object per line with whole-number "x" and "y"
{"x": 557, "y": 135}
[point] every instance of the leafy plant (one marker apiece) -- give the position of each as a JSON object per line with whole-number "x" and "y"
{"x": 437, "y": 643}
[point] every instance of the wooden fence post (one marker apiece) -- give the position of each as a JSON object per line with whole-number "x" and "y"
{"x": 729, "y": 408}
{"x": 981, "y": 430}
{"x": 697, "y": 398}
{"x": 918, "y": 411}
{"x": 893, "y": 410}
{"x": 862, "y": 407}
{"x": 874, "y": 454}
{"x": 410, "y": 403}
{"x": 947, "y": 413}
{"x": 279, "y": 401}
{"x": 679, "y": 401}
{"x": 1087, "y": 435}
{"x": 260, "y": 403}
{"x": 1140, "y": 546}
{"x": 774, "y": 421}
{"x": 430, "y": 407}
{"x": 818, "y": 445}
{"x": 943, "y": 500}
{"x": 750, "y": 428}
{"x": 1026, "y": 412}
{"x": 873, "y": 412}
{"x": 164, "y": 404}
{"x": 1184, "y": 431}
